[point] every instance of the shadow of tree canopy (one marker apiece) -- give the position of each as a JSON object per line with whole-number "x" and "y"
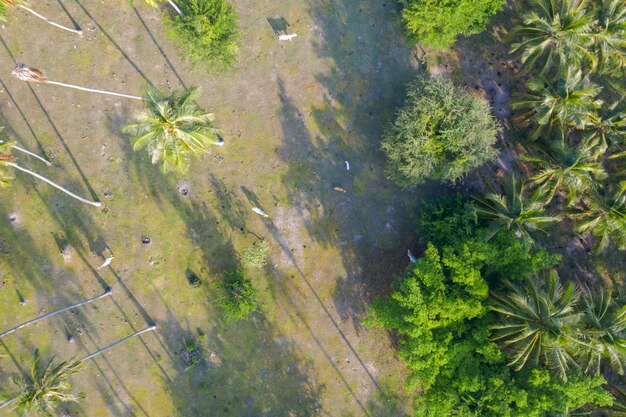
{"x": 356, "y": 210}
{"x": 247, "y": 368}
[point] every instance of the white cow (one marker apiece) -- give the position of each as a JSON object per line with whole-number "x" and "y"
{"x": 286, "y": 37}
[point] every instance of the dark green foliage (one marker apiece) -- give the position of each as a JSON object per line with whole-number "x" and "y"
{"x": 441, "y": 133}
{"x": 438, "y": 22}
{"x": 238, "y": 298}
{"x": 206, "y": 32}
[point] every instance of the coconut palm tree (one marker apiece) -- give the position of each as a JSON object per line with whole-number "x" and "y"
{"x": 610, "y": 37}
{"x": 24, "y": 5}
{"x": 47, "y": 386}
{"x": 574, "y": 169}
{"x": 554, "y": 34}
{"x": 603, "y": 215}
{"x": 604, "y": 332}
{"x": 106, "y": 293}
{"x": 608, "y": 128}
{"x": 7, "y": 160}
{"x": 32, "y": 75}
{"x": 570, "y": 101}
{"x": 513, "y": 210}
{"x": 539, "y": 322}
{"x": 173, "y": 128}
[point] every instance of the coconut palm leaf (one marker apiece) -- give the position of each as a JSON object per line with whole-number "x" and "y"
{"x": 608, "y": 128}
{"x": 573, "y": 169}
{"x": 610, "y": 39}
{"x": 46, "y": 386}
{"x": 539, "y": 322}
{"x": 554, "y": 34}
{"x": 513, "y": 210}
{"x": 604, "y": 332}
{"x": 603, "y": 215}
{"x": 569, "y": 101}
{"x": 172, "y": 129}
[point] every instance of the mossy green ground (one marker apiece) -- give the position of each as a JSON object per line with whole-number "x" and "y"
{"x": 291, "y": 114}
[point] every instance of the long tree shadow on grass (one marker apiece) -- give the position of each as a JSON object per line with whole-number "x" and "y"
{"x": 356, "y": 210}
{"x": 247, "y": 368}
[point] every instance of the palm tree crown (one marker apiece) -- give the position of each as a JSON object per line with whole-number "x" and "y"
{"x": 575, "y": 169}
{"x": 539, "y": 322}
{"x": 604, "y": 216}
{"x": 513, "y": 210}
{"x": 609, "y": 39}
{"x": 555, "y": 33}
{"x": 605, "y": 331}
{"x": 571, "y": 101}
{"x": 45, "y": 387}
{"x": 173, "y": 128}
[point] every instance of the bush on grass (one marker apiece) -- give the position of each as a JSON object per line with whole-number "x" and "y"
{"x": 238, "y": 298}
{"x": 206, "y": 32}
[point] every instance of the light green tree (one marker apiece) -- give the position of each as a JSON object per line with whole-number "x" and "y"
{"x": 172, "y": 129}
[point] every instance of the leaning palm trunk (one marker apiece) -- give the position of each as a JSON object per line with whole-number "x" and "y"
{"x": 28, "y": 9}
{"x": 55, "y": 185}
{"x": 54, "y": 313}
{"x": 33, "y": 75}
{"x": 112, "y": 345}
{"x": 27, "y": 152}
{"x": 174, "y": 6}
{"x": 60, "y": 392}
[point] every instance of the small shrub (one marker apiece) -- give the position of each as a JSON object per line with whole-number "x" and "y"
{"x": 238, "y": 299}
{"x": 438, "y": 22}
{"x": 206, "y": 32}
{"x": 255, "y": 256}
{"x": 441, "y": 133}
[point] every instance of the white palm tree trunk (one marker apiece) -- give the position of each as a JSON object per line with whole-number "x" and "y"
{"x": 92, "y": 90}
{"x": 9, "y": 402}
{"x": 27, "y": 152}
{"x": 55, "y": 185}
{"x": 44, "y": 18}
{"x": 112, "y": 345}
{"x": 54, "y": 313}
{"x": 171, "y": 2}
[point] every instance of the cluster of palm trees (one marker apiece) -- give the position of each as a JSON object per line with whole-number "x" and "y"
{"x": 546, "y": 322}
{"x": 578, "y": 126}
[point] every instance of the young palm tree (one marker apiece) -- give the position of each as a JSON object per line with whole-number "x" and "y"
{"x": 513, "y": 210}
{"x": 574, "y": 169}
{"x": 33, "y": 75}
{"x": 609, "y": 39}
{"x": 604, "y": 332}
{"x": 46, "y": 387}
{"x": 570, "y": 101}
{"x": 7, "y": 160}
{"x": 539, "y": 323}
{"x": 172, "y": 129}
{"x": 6, "y": 4}
{"x": 556, "y": 33}
{"x": 604, "y": 216}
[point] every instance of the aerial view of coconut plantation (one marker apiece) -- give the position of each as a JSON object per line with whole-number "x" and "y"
{"x": 303, "y": 208}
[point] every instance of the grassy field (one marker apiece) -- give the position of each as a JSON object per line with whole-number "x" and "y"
{"x": 291, "y": 114}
